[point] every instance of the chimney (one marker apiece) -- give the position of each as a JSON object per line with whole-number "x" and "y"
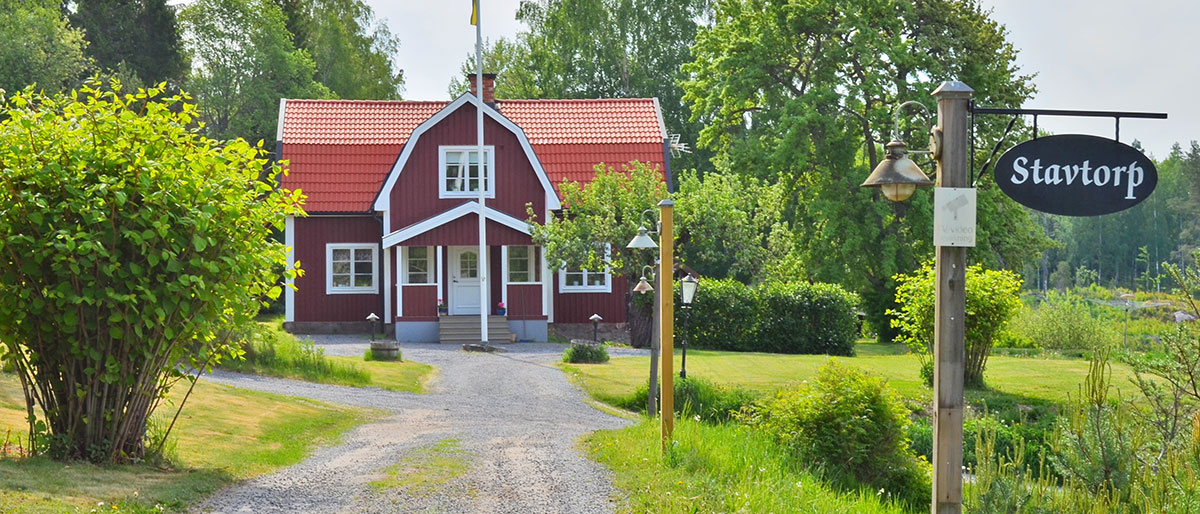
{"x": 489, "y": 87}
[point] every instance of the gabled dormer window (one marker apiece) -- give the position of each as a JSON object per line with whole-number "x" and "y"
{"x": 460, "y": 173}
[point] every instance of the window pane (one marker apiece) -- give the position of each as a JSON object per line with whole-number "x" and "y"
{"x": 362, "y": 268}
{"x": 362, "y": 281}
{"x": 362, "y": 254}
{"x": 341, "y": 268}
{"x": 574, "y": 278}
{"x": 341, "y": 280}
{"x": 518, "y": 252}
{"x": 595, "y": 278}
{"x": 468, "y": 265}
{"x": 341, "y": 255}
{"x": 418, "y": 252}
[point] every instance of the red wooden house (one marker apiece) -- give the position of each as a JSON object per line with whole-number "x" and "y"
{"x": 392, "y": 224}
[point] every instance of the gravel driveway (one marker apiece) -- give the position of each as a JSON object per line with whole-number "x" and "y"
{"x": 513, "y": 414}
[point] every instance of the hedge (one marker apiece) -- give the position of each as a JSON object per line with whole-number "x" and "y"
{"x": 777, "y": 317}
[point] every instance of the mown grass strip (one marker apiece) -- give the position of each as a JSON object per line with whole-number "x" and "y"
{"x": 427, "y": 469}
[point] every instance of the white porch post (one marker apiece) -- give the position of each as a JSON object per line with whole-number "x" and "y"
{"x": 504, "y": 275}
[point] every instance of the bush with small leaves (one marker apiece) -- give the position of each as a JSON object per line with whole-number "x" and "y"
{"x": 585, "y": 354}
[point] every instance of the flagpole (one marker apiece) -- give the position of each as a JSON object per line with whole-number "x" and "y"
{"x": 484, "y": 287}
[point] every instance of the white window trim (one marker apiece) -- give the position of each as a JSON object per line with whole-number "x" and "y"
{"x": 330, "y": 247}
{"x": 489, "y": 152}
{"x": 606, "y": 288}
{"x": 534, "y": 262}
{"x": 429, "y": 257}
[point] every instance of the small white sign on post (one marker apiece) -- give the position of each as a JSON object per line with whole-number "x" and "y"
{"x": 954, "y": 216}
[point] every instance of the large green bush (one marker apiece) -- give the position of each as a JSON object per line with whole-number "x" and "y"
{"x": 585, "y": 354}
{"x": 848, "y": 424}
{"x": 1062, "y": 322}
{"x": 776, "y": 317}
{"x": 992, "y": 300}
{"x": 129, "y": 245}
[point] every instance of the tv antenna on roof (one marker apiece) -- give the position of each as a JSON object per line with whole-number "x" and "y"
{"x": 677, "y": 147}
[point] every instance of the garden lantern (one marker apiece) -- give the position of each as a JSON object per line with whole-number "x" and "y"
{"x": 596, "y": 319}
{"x": 897, "y": 175}
{"x": 687, "y": 291}
{"x": 372, "y": 318}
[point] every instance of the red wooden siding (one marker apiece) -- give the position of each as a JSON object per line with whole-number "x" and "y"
{"x": 312, "y": 234}
{"x": 415, "y": 195}
{"x": 578, "y": 307}
{"x": 525, "y": 302}
{"x": 464, "y": 231}
{"x": 420, "y": 303}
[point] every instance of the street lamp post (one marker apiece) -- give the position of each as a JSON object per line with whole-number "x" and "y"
{"x": 643, "y": 287}
{"x": 596, "y": 319}
{"x": 895, "y": 175}
{"x": 687, "y": 291}
{"x": 666, "y": 308}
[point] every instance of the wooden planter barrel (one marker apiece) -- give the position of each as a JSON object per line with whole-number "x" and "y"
{"x": 385, "y": 350}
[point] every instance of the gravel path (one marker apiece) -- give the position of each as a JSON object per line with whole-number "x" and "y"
{"x": 513, "y": 413}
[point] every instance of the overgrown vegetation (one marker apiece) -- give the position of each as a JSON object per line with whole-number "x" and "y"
{"x": 130, "y": 245}
{"x": 268, "y": 350}
{"x": 720, "y": 468}
{"x": 697, "y": 397}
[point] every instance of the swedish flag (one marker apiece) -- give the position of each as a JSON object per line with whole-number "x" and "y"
{"x": 474, "y": 12}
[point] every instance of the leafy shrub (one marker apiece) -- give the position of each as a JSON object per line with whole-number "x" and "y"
{"x": 585, "y": 353}
{"x": 696, "y": 396}
{"x": 1005, "y": 438}
{"x": 803, "y": 318}
{"x": 777, "y": 317}
{"x": 130, "y": 245}
{"x": 1062, "y": 322}
{"x": 992, "y": 301}
{"x": 849, "y": 424}
{"x": 723, "y": 316}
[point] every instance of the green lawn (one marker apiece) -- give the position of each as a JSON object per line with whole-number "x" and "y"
{"x": 1009, "y": 379}
{"x": 406, "y": 376}
{"x": 224, "y": 434}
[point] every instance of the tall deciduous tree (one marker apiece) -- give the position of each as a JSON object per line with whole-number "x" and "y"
{"x": 135, "y": 36}
{"x": 244, "y": 63}
{"x": 600, "y": 219}
{"x": 601, "y": 49}
{"x": 129, "y": 245}
{"x": 803, "y": 93}
{"x": 39, "y": 47}
{"x": 352, "y": 50}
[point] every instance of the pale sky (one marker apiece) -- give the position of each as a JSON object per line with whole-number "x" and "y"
{"x": 1113, "y": 55}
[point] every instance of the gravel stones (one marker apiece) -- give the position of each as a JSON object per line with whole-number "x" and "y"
{"x": 513, "y": 413}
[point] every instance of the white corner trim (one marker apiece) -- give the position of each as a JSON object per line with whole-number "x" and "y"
{"x": 662, "y": 127}
{"x": 383, "y": 201}
{"x": 279, "y": 123}
{"x": 445, "y": 217}
{"x": 387, "y": 280}
{"x": 504, "y": 275}
{"x": 289, "y": 294}
{"x": 399, "y": 289}
{"x": 441, "y": 291}
{"x": 330, "y": 247}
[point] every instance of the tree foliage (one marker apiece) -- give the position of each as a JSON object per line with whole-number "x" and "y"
{"x": 351, "y": 49}
{"x": 731, "y": 226}
{"x": 803, "y": 93}
{"x": 244, "y": 62}
{"x": 992, "y": 300}
{"x": 129, "y": 245}
{"x": 39, "y": 47}
{"x": 600, "y": 49}
{"x": 140, "y": 37}
{"x": 599, "y": 219}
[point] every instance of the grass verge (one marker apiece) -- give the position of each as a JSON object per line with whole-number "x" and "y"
{"x": 271, "y": 351}
{"x": 427, "y": 469}
{"x": 224, "y": 434}
{"x": 717, "y": 468}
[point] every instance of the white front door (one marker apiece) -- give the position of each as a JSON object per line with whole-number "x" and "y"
{"x": 464, "y": 280}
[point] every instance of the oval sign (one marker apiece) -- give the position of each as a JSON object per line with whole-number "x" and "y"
{"x": 1076, "y": 175}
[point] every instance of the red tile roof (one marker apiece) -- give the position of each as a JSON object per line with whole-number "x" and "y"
{"x": 340, "y": 151}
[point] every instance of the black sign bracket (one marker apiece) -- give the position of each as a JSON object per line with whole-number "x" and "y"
{"x": 1016, "y": 113}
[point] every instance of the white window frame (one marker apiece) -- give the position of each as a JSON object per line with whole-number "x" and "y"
{"x": 585, "y": 288}
{"x": 431, "y": 279}
{"x": 351, "y": 289}
{"x": 534, "y": 271}
{"x": 489, "y": 153}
